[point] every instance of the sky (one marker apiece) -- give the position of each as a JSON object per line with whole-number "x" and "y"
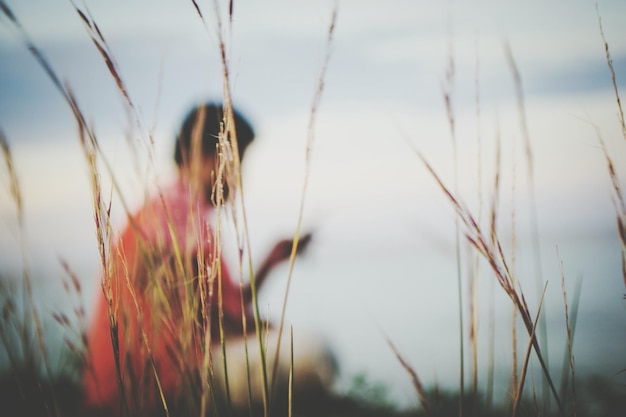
{"x": 372, "y": 206}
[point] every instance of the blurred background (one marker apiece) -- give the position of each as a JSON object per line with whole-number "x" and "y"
{"x": 382, "y": 262}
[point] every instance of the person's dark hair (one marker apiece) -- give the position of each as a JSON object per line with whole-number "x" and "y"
{"x": 213, "y": 117}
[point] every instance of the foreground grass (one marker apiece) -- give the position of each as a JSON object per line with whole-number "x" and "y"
{"x": 25, "y": 392}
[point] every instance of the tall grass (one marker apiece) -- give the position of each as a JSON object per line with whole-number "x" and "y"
{"x": 181, "y": 285}
{"x": 618, "y": 195}
{"x": 486, "y": 242}
{"x": 170, "y": 281}
{"x": 28, "y": 318}
{"x": 447, "y": 91}
{"x": 310, "y": 140}
{"x": 532, "y": 206}
{"x": 490, "y": 249}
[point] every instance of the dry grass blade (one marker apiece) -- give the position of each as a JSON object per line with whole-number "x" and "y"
{"x": 64, "y": 90}
{"x": 7, "y": 12}
{"x": 491, "y": 347}
{"x": 309, "y": 145}
{"x": 14, "y": 183}
{"x": 195, "y": 5}
{"x": 99, "y": 41}
{"x": 572, "y": 325}
{"x": 532, "y": 203}
{"x": 570, "y": 337}
{"x": 79, "y": 312}
{"x": 493, "y": 221}
{"x": 223, "y": 174}
{"x": 514, "y": 344}
{"x": 9, "y": 313}
{"x": 495, "y": 199}
{"x": 229, "y": 170}
{"x": 473, "y": 311}
{"x": 519, "y": 93}
{"x": 497, "y": 261}
{"x": 476, "y": 269}
{"x": 28, "y": 303}
{"x": 103, "y": 232}
{"x": 615, "y": 182}
{"x": 144, "y": 338}
{"x": 199, "y": 12}
{"x": 447, "y": 88}
{"x": 618, "y": 198}
{"x": 291, "y": 368}
{"x": 37, "y": 54}
{"x": 618, "y": 201}
{"x": 520, "y": 384}
{"x": 609, "y": 61}
{"x": 103, "y": 48}
{"x": 417, "y": 383}
{"x": 232, "y": 174}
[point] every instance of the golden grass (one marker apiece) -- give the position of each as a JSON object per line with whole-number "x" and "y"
{"x": 30, "y": 313}
{"x": 417, "y": 383}
{"x": 570, "y": 351}
{"x": 532, "y": 205}
{"x": 195, "y": 333}
{"x": 308, "y": 156}
{"x": 618, "y": 196}
{"x": 494, "y": 255}
{"x": 447, "y": 91}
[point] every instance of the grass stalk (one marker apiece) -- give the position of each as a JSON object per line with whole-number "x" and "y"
{"x": 491, "y": 347}
{"x": 73, "y": 289}
{"x": 447, "y": 88}
{"x": 309, "y": 146}
{"x": 7, "y": 324}
{"x": 231, "y": 171}
{"x": 493, "y": 226}
{"x": 291, "y": 372}
{"x": 92, "y": 150}
{"x": 103, "y": 232}
{"x": 65, "y": 92}
{"x": 473, "y": 310}
{"x": 417, "y": 383}
{"x": 497, "y": 261}
{"x": 609, "y": 62}
{"x": 520, "y": 386}
{"x": 476, "y": 272}
{"x": 532, "y": 206}
{"x": 144, "y": 338}
{"x": 514, "y": 344}
{"x": 572, "y": 325}
{"x": 570, "y": 338}
{"x": 618, "y": 196}
{"x": 29, "y": 308}
{"x": 228, "y": 112}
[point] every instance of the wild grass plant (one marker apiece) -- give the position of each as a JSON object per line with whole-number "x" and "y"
{"x": 180, "y": 285}
{"x": 177, "y": 284}
{"x": 485, "y": 241}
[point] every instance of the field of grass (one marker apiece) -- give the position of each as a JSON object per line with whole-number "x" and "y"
{"x": 32, "y": 385}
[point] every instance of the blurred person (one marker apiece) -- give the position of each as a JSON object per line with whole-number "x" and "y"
{"x": 168, "y": 298}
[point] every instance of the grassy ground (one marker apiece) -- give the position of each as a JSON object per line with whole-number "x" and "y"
{"x": 23, "y": 391}
{"x": 26, "y": 393}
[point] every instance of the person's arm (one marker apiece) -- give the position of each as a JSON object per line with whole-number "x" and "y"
{"x": 281, "y": 252}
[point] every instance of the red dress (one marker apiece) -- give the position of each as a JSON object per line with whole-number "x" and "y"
{"x": 163, "y": 320}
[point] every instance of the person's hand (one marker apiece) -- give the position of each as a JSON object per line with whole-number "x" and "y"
{"x": 281, "y": 252}
{"x": 282, "y": 249}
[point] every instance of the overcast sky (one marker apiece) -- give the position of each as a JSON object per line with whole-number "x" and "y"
{"x": 383, "y": 85}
